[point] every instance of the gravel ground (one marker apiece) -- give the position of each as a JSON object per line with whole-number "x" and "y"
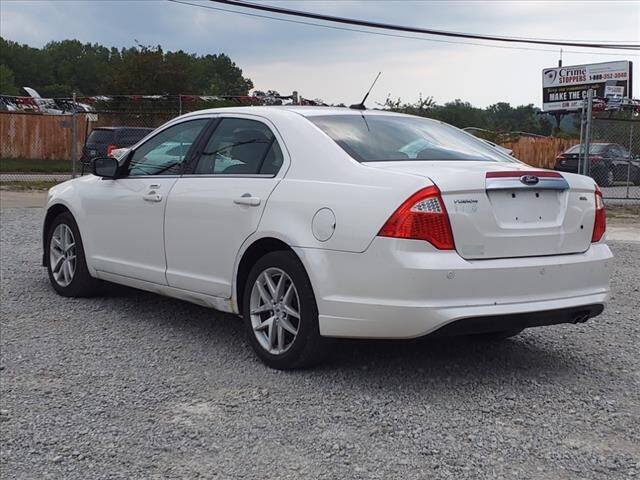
{"x": 133, "y": 385}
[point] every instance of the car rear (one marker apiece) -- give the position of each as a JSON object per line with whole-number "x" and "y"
{"x": 102, "y": 141}
{"x": 569, "y": 161}
{"x": 487, "y": 244}
{"x": 97, "y": 144}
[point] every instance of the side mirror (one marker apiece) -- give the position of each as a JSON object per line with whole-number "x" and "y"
{"x": 105, "y": 167}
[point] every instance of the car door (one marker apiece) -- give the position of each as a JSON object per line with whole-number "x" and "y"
{"x": 218, "y": 203}
{"x": 125, "y": 216}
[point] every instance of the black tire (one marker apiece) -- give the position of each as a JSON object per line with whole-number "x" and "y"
{"x": 604, "y": 177}
{"x": 82, "y": 283}
{"x": 497, "y": 336}
{"x": 308, "y": 347}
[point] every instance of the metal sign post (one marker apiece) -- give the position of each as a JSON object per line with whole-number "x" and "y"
{"x": 629, "y": 160}
{"x": 587, "y": 133}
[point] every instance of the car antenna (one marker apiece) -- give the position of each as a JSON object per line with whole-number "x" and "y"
{"x": 360, "y": 106}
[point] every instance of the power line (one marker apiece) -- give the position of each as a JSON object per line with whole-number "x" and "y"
{"x": 346, "y": 29}
{"x": 402, "y": 28}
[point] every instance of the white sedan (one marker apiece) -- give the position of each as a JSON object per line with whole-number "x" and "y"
{"x": 317, "y": 222}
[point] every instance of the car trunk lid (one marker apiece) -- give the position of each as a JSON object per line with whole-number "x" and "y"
{"x": 502, "y": 210}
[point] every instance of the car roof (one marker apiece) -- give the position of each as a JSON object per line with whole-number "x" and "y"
{"x": 122, "y": 128}
{"x": 305, "y": 111}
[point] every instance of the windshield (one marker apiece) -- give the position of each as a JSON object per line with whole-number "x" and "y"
{"x": 100, "y": 136}
{"x": 381, "y": 138}
{"x": 593, "y": 148}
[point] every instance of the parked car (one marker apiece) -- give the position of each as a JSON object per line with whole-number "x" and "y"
{"x": 102, "y": 141}
{"x": 609, "y": 162}
{"x": 314, "y": 222}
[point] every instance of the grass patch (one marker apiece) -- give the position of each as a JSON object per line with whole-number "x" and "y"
{"x": 35, "y": 165}
{"x": 28, "y": 185}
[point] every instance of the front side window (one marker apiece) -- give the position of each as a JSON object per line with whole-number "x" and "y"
{"x": 164, "y": 153}
{"x": 240, "y": 147}
{"x": 382, "y": 138}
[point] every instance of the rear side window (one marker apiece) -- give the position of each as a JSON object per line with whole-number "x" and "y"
{"x": 240, "y": 147}
{"x": 383, "y": 138}
{"x": 100, "y": 136}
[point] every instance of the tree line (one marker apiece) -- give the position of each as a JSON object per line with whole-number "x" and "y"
{"x": 60, "y": 68}
{"x": 494, "y": 120}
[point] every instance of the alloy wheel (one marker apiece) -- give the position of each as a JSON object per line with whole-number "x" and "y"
{"x": 62, "y": 255}
{"x": 274, "y": 308}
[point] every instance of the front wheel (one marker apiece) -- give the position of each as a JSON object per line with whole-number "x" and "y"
{"x": 66, "y": 263}
{"x": 280, "y": 313}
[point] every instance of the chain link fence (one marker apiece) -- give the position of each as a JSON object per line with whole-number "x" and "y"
{"x": 51, "y": 140}
{"x": 53, "y": 147}
{"x": 614, "y": 156}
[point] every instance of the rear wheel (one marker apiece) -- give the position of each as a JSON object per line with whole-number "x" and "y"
{"x": 280, "y": 313}
{"x": 66, "y": 263}
{"x": 604, "y": 177}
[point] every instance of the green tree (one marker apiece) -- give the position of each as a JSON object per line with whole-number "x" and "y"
{"x": 67, "y": 66}
{"x": 31, "y": 68}
{"x": 496, "y": 119}
{"x": 7, "y": 81}
{"x": 226, "y": 76}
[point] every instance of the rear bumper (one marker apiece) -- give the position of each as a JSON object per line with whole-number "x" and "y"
{"x": 519, "y": 321}
{"x": 566, "y": 168}
{"x": 406, "y": 288}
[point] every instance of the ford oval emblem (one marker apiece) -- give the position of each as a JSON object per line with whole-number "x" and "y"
{"x": 529, "y": 179}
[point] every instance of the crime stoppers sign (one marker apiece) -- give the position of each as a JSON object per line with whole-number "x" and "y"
{"x": 564, "y": 88}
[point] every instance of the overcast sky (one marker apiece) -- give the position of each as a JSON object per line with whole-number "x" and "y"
{"x": 338, "y": 66}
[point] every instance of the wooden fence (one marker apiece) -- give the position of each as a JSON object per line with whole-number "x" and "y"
{"x": 537, "y": 151}
{"x": 32, "y": 135}
{"x": 48, "y": 137}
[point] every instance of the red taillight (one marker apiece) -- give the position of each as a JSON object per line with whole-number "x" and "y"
{"x": 110, "y": 149}
{"x": 600, "y": 225}
{"x": 422, "y": 216}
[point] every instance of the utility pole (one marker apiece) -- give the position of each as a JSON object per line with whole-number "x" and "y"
{"x": 74, "y": 137}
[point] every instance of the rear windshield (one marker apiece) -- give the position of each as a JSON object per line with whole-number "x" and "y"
{"x": 126, "y": 138}
{"x": 382, "y": 138}
{"x": 100, "y": 136}
{"x": 593, "y": 148}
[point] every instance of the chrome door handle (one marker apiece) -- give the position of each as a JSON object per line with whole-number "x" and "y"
{"x": 152, "y": 197}
{"x": 247, "y": 199}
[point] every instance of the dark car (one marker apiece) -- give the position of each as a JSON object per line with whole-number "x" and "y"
{"x": 609, "y": 162}
{"x": 103, "y": 140}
